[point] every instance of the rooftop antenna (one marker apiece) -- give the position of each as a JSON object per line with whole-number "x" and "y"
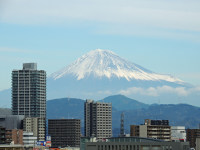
{"x": 158, "y": 116}
{"x": 159, "y": 109}
{"x": 68, "y": 99}
{"x": 122, "y": 133}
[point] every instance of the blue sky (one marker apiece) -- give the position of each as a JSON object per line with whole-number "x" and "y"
{"x": 162, "y": 36}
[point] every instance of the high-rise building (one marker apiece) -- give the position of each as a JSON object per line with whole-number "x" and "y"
{"x": 157, "y": 129}
{"x": 64, "y": 132}
{"x": 98, "y": 119}
{"x": 29, "y": 93}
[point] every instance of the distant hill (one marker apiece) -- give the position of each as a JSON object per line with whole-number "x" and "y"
{"x": 180, "y": 114}
{"x": 121, "y": 102}
{"x": 135, "y": 112}
{"x": 5, "y": 111}
{"x": 65, "y": 108}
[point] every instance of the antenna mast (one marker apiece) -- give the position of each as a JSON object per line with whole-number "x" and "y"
{"x": 122, "y": 133}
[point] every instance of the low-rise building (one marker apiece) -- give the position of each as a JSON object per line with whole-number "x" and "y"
{"x": 191, "y": 135}
{"x": 2, "y": 135}
{"x": 178, "y": 133}
{"x": 11, "y": 121}
{"x": 35, "y": 125}
{"x": 8, "y": 136}
{"x": 29, "y": 139}
{"x": 14, "y": 136}
{"x": 157, "y": 129}
{"x": 132, "y": 143}
{"x": 64, "y": 132}
{"x": 16, "y": 147}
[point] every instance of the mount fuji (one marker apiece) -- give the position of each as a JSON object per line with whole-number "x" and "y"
{"x": 101, "y": 73}
{"x": 104, "y": 63}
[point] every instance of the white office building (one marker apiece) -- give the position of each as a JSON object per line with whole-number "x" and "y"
{"x": 178, "y": 133}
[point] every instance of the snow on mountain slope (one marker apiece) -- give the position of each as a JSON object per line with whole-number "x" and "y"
{"x": 105, "y": 63}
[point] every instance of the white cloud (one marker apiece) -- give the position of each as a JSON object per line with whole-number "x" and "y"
{"x": 171, "y": 14}
{"x": 157, "y": 91}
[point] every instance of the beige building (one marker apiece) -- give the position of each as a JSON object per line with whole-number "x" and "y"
{"x": 36, "y": 126}
{"x": 156, "y": 129}
{"x": 98, "y": 119}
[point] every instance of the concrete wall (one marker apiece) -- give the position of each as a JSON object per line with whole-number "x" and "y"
{"x": 143, "y": 130}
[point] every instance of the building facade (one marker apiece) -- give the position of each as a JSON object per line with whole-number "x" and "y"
{"x": 64, "y": 132}
{"x": 29, "y": 93}
{"x": 191, "y": 136}
{"x": 35, "y": 125}
{"x": 16, "y": 147}
{"x": 2, "y": 135}
{"x": 132, "y": 143}
{"x": 29, "y": 139}
{"x": 178, "y": 133}
{"x": 98, "y": 119}
{"x": 14, "y": 136}
{"x": 11, "y": 121}
{"x": 156, "y": 129}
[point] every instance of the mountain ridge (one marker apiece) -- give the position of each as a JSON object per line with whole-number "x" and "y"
{"x": 177, "y": 114}
{"x": 73, "y": 108}
{"x": 122, "y": 102}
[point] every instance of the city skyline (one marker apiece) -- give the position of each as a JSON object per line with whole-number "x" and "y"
{"x": 40, "y": 32}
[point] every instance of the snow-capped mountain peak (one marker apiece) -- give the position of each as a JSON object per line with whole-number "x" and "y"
{"x": 104, "y": 63}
